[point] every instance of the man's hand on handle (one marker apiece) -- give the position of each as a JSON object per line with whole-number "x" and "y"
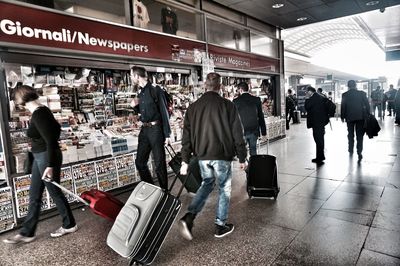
{"x": 184, "y": 168}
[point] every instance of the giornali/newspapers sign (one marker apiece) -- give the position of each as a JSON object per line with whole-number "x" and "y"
{"x": 29, "y": 26}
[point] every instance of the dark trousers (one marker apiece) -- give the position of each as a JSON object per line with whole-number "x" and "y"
{"x": 151, "y": 139}
{"x": 289, "y": 115}
{"x": 379, "y": 106}
{"x": 251, "y": 139}
{"x": 359, "y": 128}
{"x": 390, "y": 107}
{"x": 36, "y": 189}
{"x": 318, "y": 134}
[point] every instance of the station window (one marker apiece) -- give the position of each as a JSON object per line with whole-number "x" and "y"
{"x": 263, "y": 45}
{"x": 166, "y": 18}
{"x": 228, "y": 36}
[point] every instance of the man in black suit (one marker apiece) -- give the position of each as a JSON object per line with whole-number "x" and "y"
{"x": 251, "y": 115}
{"x": 317, "y": 118}
{"x": 354, "y": 110}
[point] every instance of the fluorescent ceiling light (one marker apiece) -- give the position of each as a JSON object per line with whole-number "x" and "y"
{"x": 372, "y": 3}
{"x": 302, "y": 18}
{"x": 278, "y": 5}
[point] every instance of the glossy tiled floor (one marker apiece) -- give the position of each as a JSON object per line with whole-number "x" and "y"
{"x": 342, "y": 213}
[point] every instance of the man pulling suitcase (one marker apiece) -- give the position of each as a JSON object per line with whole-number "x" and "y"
{"x": 212, "y": 132}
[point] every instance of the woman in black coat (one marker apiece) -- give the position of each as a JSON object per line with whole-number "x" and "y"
{"x": 44, "y": 132}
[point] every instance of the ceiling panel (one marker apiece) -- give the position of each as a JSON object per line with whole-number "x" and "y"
{"x": 385, "y": 26}
{"x": 317, "y": 10}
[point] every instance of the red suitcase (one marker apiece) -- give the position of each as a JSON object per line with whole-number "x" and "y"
{"x": 101, "y": 203}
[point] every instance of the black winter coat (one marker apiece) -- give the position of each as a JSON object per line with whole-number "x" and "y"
{"x": 316, "y": 111}
{"x": 251, "y": 114}
{"x": 212, "y": 130}
{"x": 354, "y": 106}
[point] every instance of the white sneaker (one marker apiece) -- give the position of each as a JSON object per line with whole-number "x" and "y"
{"x": 62, "y": 231}
{"x": 18, "y": 239}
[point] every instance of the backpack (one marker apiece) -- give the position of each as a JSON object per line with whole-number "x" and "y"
{"x": 168, "y": 98}
{"x": 330, "y": 107}
{"x": 290, "y": 103}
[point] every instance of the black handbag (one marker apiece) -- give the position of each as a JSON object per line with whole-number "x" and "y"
{"x": 28, "y": 163}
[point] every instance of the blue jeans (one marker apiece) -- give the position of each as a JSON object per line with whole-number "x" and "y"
{"x": 211, "y": 170}
{"x": 251, "y": 139}
{"x": 36, "y": 188}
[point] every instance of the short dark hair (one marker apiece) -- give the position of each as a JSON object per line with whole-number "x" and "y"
{"x": 312, "y": 89}
{"x": 289, "y": 91}
{"x": 27, "y": 93}
{"x": 351, "y": 84}
{"x": 319, "y": 89}
{"x": 213, "y": 81}
{"x": 243, "y": 86}
{"x": 141, "y": 71}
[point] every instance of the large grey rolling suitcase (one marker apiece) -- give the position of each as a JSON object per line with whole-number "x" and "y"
{"x": 143, "y": 223}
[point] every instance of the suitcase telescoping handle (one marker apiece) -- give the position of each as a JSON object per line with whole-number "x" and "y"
{"x": 172, "y": 152}
{"x": 67, "y": 191}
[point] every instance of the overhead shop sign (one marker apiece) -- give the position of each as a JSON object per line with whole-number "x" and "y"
{"x": 232, "y": 59}
{"x": 21, "y": 25}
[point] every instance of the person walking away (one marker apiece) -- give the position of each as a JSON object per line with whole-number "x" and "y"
{"x": 377, "y": 98}
{"x": 251, "y": 115}
{"x": 44, "y": 132}
{"x": 317, "y": 119}
{"x": 391, "y": 95}
{"x": 155, "y": 131}
{"x": 212, "y": 132}
{"x": 290, "y": 107}
{"x": 321, "y": 92}
{"x": 354, "y": 110}
{"x": 397, "y": 107}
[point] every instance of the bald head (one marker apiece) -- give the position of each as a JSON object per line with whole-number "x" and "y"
{"x": 213, "y": 82}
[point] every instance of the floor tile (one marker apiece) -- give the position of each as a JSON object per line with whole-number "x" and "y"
{"x": 315, "y": 188}
{"x": 390, "y": 201}
{"x": 393, "y": 180}
{"x": 292, "y": 179}
{"x": 387, "y": 221}
{"x": 325, "y": 241}
{"x": 370, "y": 258}
{"x": 383, "y": 241}
{"x": 350, "y": 202}
{"x": 357, "y": 218}
{"x": 292, "y": 211}
{"x": 363, "y": 189}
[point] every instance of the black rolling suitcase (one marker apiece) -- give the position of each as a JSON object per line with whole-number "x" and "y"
{"x": 262, "y": 176}
{"x": 296, "y": 117}
{"x": 144, "y": 222}
{"x": 194, "y": 179}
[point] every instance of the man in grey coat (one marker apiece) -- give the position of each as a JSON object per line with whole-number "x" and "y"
{"x": 354, "y": 110}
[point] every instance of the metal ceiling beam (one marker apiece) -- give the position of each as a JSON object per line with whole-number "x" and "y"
{"x": 368, "y": 31}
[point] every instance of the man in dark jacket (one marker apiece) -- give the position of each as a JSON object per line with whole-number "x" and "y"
{"x": 290, "y": 107}
{"x": 391, "y": 95}
{"x": 354, "y": 109}
{"x": 317, "y": 118}
{"x": 251, "y": 115}
{"x": 155, "y": 131}
{"x": 212, "y": 132}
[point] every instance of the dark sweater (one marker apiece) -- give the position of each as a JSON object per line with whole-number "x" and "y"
{"x": 44, "y": 130}
{"x": 251, "y": 114}
{"x": 212, "y": 130}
